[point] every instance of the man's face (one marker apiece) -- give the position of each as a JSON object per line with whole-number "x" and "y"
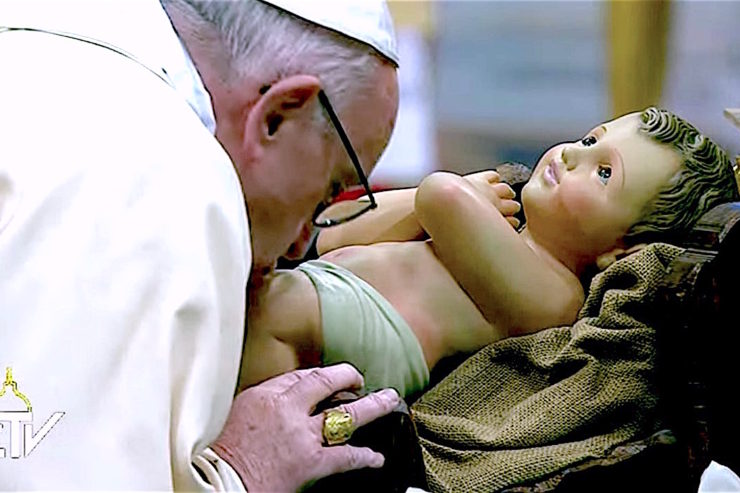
{"x": 585, "y": 195}
{"x": 310, "y": 165}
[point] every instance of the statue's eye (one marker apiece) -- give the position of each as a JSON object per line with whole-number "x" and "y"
{"x": 588, "y": 141}
{"x": 604, "y": 172}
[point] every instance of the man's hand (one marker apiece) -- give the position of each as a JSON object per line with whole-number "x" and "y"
{"x": 274, "y": 444}
{"x": 501, "y": 195}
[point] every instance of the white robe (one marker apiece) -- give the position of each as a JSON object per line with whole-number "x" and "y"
{"x": 124, "y": 252}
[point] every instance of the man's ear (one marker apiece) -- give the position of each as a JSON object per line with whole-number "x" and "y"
{"x": 287, "y": 99}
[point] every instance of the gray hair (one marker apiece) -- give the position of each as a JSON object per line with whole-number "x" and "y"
{"x": 266, "y": 43}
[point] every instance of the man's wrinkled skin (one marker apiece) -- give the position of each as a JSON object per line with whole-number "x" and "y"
{"x": 275, "y": 444}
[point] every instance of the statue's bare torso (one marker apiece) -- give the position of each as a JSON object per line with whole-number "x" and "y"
{"x": 412, "y": 279}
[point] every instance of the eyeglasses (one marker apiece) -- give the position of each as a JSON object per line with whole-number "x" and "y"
{"x": 328, "y": 215}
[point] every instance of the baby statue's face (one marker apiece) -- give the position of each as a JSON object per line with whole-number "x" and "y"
{"x": 585, "y": 195}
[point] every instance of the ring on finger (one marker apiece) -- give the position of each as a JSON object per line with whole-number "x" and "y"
{"x": 338, "y": 426}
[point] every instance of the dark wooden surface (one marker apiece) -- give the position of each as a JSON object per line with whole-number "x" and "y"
{"x": 698, "y": 346}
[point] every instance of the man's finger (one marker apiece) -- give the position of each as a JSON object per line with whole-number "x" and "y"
{"x": 369, "y": 408}
{"x": 513, "y": 221}
{"x": 319, "y": 383}
{"x": 334, "y": 460}
{"x": 283, "y": 382}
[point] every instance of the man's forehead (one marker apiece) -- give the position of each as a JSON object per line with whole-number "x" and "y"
{"x": 370, "y": 119}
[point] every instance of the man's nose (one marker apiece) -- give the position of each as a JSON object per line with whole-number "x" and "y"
{"x": 300, "y": 247}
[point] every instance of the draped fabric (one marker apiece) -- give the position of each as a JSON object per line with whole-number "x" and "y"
{"x": 524, "y": 408}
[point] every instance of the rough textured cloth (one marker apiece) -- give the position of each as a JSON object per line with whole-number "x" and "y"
{"x": 527, "y": 407}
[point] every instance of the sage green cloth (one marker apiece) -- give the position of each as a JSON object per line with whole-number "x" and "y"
{"x": 526, "y": 407}
{"x": 362, "y": 327}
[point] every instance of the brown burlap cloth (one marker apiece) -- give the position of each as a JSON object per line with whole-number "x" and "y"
{"x": 526, "y": 407}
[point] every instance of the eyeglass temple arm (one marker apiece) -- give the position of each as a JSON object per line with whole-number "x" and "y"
{"x": 347, "y": 144}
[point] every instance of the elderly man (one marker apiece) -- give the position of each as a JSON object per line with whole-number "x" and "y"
{"x": 124, "y": 240}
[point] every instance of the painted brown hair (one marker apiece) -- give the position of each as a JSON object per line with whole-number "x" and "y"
{"x": 704, "y": 180}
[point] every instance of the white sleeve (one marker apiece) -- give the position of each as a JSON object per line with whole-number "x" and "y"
{"x": 217, "y": 473}
{"x": 717, "y": 477}
{"x": 124, "y": 252}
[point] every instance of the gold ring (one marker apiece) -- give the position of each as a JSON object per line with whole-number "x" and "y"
{"x": 338, "y": 427}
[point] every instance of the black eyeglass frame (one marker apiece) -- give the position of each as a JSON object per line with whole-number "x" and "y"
{"x": 324, "y": 100}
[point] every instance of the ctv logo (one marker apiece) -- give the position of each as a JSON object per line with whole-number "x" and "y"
{"x": 22, "y": 439}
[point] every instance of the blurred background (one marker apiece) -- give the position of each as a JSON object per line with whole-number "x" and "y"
{"x": 484, "y": 82}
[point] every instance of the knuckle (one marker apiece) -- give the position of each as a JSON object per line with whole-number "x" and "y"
{"x": 388, "y": 400}
{"x": 341, "y": 370}
{"x": 321, "y": 461}
{"x": 345, "y": 408}
{"x": 353, "y": 458}
{"x": 377, "y": 401}
{"x": 321, "y": 379}
{"x": 255, "y": 394}
{"x": 372, "y": 406}
{"x": 277, "y": 404}
{"x": 316, "y": 456}
{"x": 347, "y": 368}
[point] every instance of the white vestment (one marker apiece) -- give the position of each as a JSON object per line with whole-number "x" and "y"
{"x": 124, "y": 253}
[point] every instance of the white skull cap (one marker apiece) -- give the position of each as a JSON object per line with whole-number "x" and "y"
{"x": 367, "y": 21}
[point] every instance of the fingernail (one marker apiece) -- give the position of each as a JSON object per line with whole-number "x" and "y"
{"x": 378, "y": 461}
{"x": 391, "y": 395}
